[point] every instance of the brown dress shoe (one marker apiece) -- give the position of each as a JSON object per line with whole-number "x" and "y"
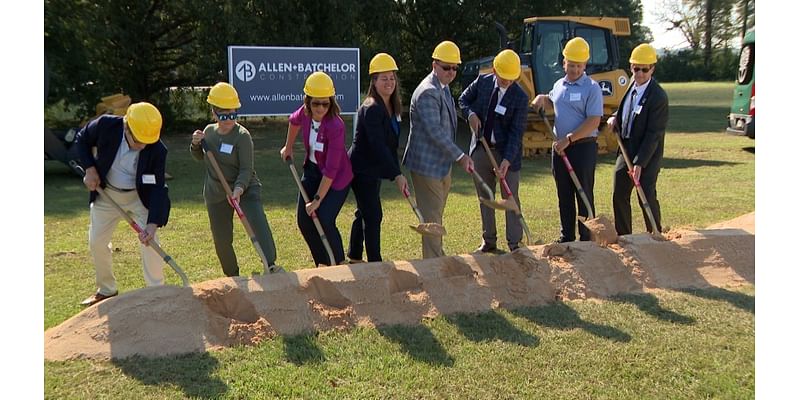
{"x": 96, "y": 298}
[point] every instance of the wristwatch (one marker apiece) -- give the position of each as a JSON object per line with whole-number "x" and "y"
{"x": 316, "y": 197}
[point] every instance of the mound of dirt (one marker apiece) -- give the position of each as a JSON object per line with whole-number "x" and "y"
{"x": 170, "y": 320}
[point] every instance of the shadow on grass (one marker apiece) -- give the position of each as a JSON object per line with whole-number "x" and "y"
{"x": 648, "y": 303}
{"x": 419, "y": 343}
{"x": 303, "y": 349}
{"x": 192, "y": 372}
{"x": 490, "y": 326}
{"x": 750, "y": 149}
{"x": 682, "y": 163}
{"x": 561, "y": 316}
{"x": 738, "y": 300}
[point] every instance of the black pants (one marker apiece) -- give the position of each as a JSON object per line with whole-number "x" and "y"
{"x": 623, "y": 186}
{"x": 366, "y": 229}
{"x": 583, "y": 157}
{"x": 326, "y": 214}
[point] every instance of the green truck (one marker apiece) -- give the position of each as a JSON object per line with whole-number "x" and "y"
{"x": 742, "y": 119}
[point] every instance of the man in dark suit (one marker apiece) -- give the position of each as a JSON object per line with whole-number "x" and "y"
{"x": 129, "y": 166}
{"x": 642, "y": 125}
{"x": 497, "y": 108}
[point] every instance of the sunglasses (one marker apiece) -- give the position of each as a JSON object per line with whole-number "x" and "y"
{"x": 224, "y": 117}
{"x": 325, "y": 104}
{"x": 448, "y": 68}
{"x": 637, "y": 69}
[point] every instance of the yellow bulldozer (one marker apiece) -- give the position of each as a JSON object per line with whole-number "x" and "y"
{"x": 539, "y": 49}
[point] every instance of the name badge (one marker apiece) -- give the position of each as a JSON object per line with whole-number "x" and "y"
{"x": 148, "y": 179}
{"x": 500, "y": 109}
{"x": 398, "y": 118}
{"x": 574, "y": 97}
{"x": 637, "y": 110}
{"x": 226, "y": 148}
{"x": 319, "y": 146}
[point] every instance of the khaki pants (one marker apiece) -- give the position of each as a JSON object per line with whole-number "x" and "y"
{"x": 431, "y": 196}
{"x": 104, "y": 219}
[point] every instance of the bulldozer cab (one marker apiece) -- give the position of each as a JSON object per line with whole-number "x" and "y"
{"x": 540, "y": 46}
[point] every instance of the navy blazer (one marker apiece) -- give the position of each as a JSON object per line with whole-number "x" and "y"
{"x": 509, "y": 127}
{"x": 374, "y": 149}
{"x": 105, "y": 133}
{"x": 646, "y": 143}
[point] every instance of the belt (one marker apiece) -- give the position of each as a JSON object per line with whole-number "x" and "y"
{"x": 589, "y": 139}
{"x": 116, "y": 189}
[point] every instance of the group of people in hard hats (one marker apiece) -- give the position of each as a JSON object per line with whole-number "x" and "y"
{"x": 129, "y": 163}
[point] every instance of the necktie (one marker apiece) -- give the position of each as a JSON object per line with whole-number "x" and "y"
{"x": 629, "y": 119}
{"x": 488, "y": 127}
{"x": 450, "y": 105}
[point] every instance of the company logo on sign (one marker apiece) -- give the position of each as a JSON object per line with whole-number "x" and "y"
{"x": 245, "y": 71}
{"x": 270, "y": 80}
{"x": 607, "y": 87}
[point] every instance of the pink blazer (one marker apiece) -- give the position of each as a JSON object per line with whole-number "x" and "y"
{"x": 332, "y": 160}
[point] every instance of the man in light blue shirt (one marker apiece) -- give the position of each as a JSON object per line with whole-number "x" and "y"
{"x": 578, "y": 104}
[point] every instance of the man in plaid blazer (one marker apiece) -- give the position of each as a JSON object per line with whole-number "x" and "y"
{"x": 497, "y": 109}
{"x": 431, "y": 147}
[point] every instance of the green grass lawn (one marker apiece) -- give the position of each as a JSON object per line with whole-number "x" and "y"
{"x": 672, "y": 344}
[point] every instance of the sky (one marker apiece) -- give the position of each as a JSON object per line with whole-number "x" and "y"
{"x": 661, "y": 38}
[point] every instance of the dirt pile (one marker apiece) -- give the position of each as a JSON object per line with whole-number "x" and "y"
{"x": 232, "y": 311}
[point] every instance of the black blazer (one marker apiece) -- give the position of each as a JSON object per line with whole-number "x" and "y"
{"x": 374, "y": 149}
{"x": 508, "y": 128}
{"x": 105, "y": 133}
{"x": 646, "y": 143}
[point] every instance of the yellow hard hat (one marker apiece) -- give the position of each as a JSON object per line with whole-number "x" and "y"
{"x": 577, "y": 50}
{"x": 506, "y": 65}
{"x": 643, "y": 54}
{"x": 224, "y": 95}
{"x": 319, "y": 84}
{"x": 144, "y": 121}
{"x": 382, "y": 62}
{"x": 448, "y": 52}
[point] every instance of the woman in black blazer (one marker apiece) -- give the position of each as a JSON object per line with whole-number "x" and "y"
{"x": 374, "y": 156}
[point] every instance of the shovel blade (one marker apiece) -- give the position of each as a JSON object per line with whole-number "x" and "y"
{"x": 497, "y": 204}
{"x": 601, "y": 229}
{"x": 431, "y": 229}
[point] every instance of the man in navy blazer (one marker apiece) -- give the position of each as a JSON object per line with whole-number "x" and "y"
{"x": 129, "y": 165}
{"x": 431, "y": 148}
{"x": 497, "y": 108}
{"x": 642, "y": 126}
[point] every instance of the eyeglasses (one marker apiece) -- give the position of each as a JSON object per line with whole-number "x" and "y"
{"x": 448, "y": 68}
{"x": 637, "y": 69}
{"x": 229, "y": 116}
{"x": 324, "y": 104}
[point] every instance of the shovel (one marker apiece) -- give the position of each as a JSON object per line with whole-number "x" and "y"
{"x": 317, "y": 224}
{"x": 430, "y": 228}
{"x": 239, "y": 212}
{"x": 489, "y": 200}
{"x": 572, "y": 175}
{"x": 512, "y": 204}
{"x": 138, "y": 229}
{"x": 639, "y": 191}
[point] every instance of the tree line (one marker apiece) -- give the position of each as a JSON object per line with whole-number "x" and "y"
{"x": 143, "y": 48}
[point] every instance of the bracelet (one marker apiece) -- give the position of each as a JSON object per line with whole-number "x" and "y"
{"x": 316, "y": 197}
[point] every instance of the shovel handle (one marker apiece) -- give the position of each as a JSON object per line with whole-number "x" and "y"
{"x": 290, "y": 162}
{"x": 235, "y": 203}
{"x": 637, "y": 184}
{"x": 575, "y": 181}
{"x": 167, "y": 259}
